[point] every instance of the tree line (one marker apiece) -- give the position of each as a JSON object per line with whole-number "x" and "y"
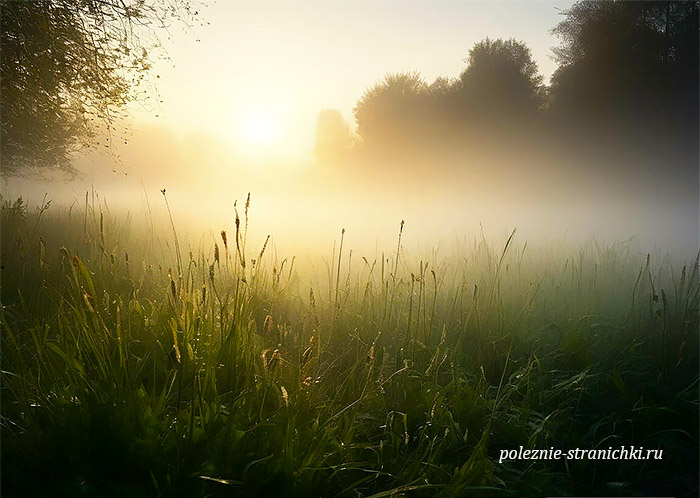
{"x": 627, "y": 74}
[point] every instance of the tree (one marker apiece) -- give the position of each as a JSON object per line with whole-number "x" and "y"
{"x": 632, "y": 63}
{"x": 333, "y": 137}
{"x": 441, "y": 99}
{"x": 68, "y": 67}
{"x": 390, "y": 109}
{"x": 501, "y": 80}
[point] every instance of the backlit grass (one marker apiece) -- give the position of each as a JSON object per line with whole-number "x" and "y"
{"x": 137, "y": 362}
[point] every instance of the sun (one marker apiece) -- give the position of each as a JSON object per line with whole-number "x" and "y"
{"x": 260, "y": 129}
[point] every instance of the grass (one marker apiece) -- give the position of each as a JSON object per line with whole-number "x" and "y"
{"x": 134, "y": 364}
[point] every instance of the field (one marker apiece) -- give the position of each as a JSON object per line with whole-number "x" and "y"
{"x": 139, "y": 361}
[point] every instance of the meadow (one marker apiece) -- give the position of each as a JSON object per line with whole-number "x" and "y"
{"x": 140, "y": 361}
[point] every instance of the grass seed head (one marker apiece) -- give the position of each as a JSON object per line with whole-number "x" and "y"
{"x": 264, "y": 247}
{"x": 270, "y": 359}
{"x": 175, "y": 355}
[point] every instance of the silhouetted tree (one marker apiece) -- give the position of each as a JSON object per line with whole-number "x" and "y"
{"x": 333, "y": 136}
{"x": 442, "y": 111}
{"x": 67, "y": 66}
{"x": 389, "y": 110}
{"x": 442, "y": 87}
{"x": 501, "y": 81}
{"x": 501, "y": 84}
{"x": 632, "y": 63}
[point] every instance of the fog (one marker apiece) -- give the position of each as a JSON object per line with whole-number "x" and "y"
{"x": 603, "y": 145}
{"x": 442, "y": 197}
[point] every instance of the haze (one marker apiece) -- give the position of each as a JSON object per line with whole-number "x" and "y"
{"x": 236, "y": 109}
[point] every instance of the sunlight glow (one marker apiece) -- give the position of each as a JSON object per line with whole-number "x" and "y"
{"x": 260, "y": 130}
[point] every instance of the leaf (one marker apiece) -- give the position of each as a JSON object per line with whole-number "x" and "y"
{"x": 68, "y": 359}
{"x": 228, "y": 482}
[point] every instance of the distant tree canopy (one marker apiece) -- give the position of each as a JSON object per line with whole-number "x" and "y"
{"x": 635, "y": 62}
{"x": 67, "y": 68}
{"x": 501, "y": 83}
{"x": 501, "y": 79}
{"x": 389, "y": 110}
{"x": 627, "y": 71}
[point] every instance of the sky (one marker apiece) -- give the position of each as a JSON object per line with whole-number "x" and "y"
{"x": 256, "y": 74}
{"x": 235, "y": 112}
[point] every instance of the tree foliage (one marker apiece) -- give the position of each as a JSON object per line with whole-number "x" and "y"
{"x": 389, "y": 109}
{"x": 627, "y": 62}
{"x": 627, "y": 76}
{"x": 501, "y": 82}
{"x": 68, "y": 66}
{"x": 501, "y": 78}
